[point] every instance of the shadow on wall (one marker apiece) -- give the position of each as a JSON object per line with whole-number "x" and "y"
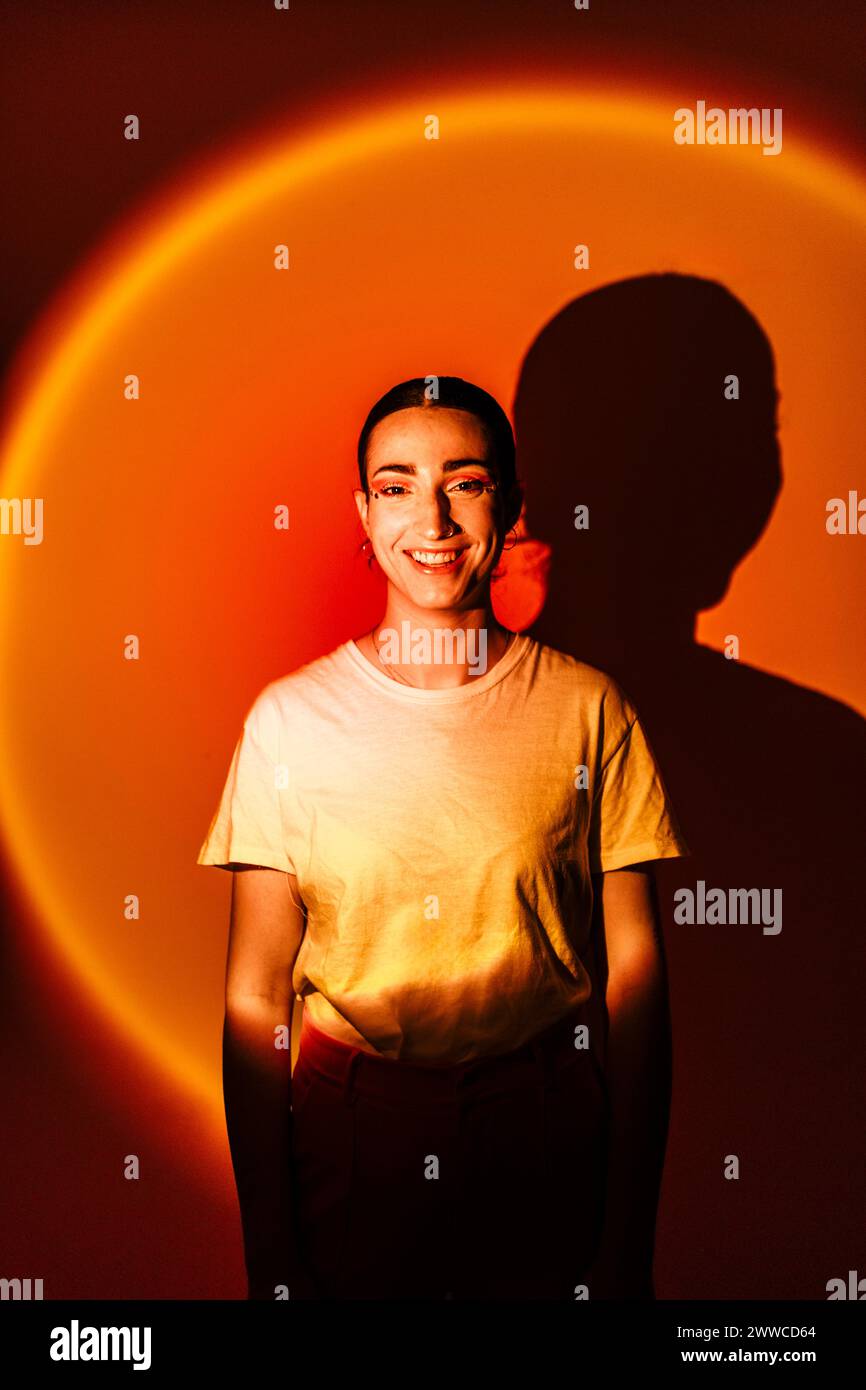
{"x": 620, "y": 406}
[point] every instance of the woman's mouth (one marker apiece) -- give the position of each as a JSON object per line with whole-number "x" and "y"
{"x": 437, "y": 561}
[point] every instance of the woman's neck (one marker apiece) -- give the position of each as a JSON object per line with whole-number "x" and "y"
{"x": 435, "y": 651}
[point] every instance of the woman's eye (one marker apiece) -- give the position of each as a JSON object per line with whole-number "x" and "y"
{"x": 471, "y": 485}
{"x": 467, "y": 487}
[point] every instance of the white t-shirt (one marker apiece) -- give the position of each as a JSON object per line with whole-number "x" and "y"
{"x": 443, "y": 840}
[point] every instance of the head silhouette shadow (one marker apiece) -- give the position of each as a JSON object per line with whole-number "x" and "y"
{"x": 624, "y": 399}
{"x": 625, "y": 406}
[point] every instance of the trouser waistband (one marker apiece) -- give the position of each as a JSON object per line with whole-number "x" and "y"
{"x": 357, "y": 1070}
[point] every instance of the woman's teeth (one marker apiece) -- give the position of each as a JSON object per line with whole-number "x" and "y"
{"x": 434, "y": 557}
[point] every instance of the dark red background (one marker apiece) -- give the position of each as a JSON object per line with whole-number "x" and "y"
{"x": 200, "y": 74}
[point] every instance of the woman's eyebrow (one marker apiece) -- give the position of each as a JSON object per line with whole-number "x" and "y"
{"x": 449, "y": 466}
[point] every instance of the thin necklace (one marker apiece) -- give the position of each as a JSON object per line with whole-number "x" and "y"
{"x": 387, "y": 667}
{"x": 397, "y": 675}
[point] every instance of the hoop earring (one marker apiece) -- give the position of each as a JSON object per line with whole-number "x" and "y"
{"x": 514, "y": 542}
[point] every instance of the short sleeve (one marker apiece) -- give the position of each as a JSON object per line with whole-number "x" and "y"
{"x": 632, "y": 817}
{"x": 247, "y": 825}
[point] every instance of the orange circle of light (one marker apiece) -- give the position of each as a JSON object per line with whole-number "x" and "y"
{"x": 406, "y": 256}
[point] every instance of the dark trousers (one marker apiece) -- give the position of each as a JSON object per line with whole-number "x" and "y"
{"x": 479, "y": 1181}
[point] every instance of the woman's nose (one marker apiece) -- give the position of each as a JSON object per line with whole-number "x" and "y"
{"x": 434, "y": 516}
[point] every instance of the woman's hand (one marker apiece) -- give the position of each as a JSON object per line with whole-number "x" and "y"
{"x": 266, "y": 930}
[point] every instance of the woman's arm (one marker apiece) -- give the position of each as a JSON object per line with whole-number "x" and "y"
{"x": 639, "y": 1081}
{"x": 267, "y": 927}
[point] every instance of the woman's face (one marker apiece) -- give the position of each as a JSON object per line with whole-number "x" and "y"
{"x": 435, "y": 517}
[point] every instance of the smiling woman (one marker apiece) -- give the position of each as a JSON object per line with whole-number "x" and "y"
{"x": 445, "y": 858}
{"x": 438, "y": 493}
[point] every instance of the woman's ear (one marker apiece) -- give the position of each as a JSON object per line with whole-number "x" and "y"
{"x": 360, "y": 497}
